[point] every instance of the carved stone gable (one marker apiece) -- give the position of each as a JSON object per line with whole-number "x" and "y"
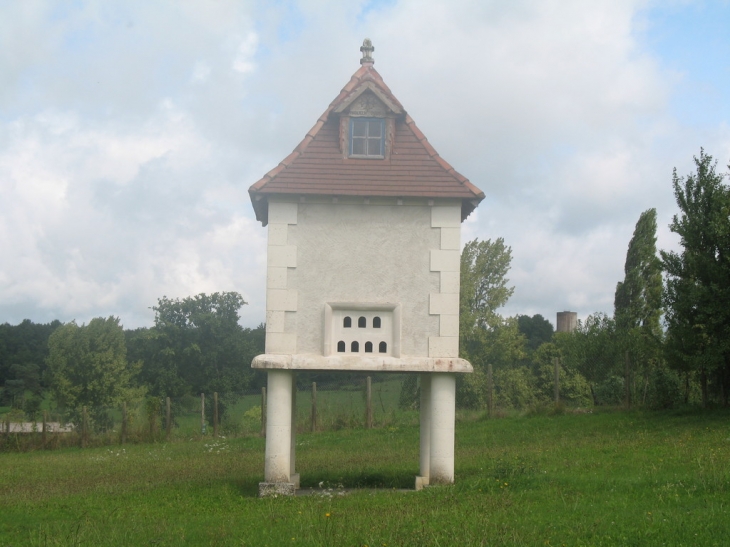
{"x": 369, "y": 106}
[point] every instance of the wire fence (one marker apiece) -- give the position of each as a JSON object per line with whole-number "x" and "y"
{"x": 358, "y": 402}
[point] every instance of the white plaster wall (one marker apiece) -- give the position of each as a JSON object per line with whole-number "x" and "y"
{"x": 330, "y": 250}
{"x": 366, "y": 253}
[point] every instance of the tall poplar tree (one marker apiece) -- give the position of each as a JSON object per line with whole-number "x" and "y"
{"x": 637, "y": 302}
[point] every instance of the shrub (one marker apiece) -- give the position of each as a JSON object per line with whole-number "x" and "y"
{"x": 609, "y": 391}
{"x": 664, "y": 389}
{"x": 514, "y": 388}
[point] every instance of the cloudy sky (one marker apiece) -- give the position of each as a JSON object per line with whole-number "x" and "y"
{"x": 130, "y": 132}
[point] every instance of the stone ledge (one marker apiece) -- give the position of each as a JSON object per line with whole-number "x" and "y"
{"x": 368, "y": 364}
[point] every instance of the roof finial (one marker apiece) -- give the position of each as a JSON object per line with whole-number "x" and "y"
{"x": 367, "y": 50}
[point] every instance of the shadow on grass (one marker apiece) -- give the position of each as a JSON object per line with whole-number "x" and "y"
{"x": 372, "y": 479}
{"x": 249, "y": 488}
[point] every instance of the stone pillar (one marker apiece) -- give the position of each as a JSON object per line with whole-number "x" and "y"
{"x": 443, "y": 416}
{"x": 293, "y": 475}
{"x": 277, "y": 466}
{"x": 425, "y": 410}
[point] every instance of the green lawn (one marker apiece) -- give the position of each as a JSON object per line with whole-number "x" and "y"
{"x": 593, "y": 479}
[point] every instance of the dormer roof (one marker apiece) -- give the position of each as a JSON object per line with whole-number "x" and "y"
{"x": 318, "y": 166}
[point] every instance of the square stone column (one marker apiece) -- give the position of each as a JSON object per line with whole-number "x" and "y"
{"x": 442, "y": 418}
{"x": 278, "y": 458}
{"x": 425, "y": 414}
{"x": 293, "y": 475}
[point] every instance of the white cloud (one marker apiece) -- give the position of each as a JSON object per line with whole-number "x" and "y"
{"x": 130, "y": 133}
{"x": 104, "y": 221}
{"x": 201, "y": 72}
{"x": 246, "y": 51}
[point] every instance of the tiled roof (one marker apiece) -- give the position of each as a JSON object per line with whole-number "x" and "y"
{"x": 317, "y": 165}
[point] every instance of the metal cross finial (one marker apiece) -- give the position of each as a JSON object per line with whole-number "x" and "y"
{"x": 367, "y": 51}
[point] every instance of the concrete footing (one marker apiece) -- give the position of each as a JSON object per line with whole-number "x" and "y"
{"x": 275, "y": 489}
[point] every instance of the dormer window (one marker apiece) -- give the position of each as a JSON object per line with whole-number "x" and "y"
{"x": 367, "y": 138}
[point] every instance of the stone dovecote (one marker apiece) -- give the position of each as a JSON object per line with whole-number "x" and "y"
{"x": 364, "y": 222}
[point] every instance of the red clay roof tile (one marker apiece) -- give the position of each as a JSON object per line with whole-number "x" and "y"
{"x": 317, "y": 166}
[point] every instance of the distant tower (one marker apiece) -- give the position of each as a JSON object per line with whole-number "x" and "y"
{"x": 567, "y": 321}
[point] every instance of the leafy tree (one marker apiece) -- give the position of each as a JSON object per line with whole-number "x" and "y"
{"x": 697, "y": 294}
{"x": 88, "y": 366}
{"x": 593, "y": 351}
{"x": 536, "y": 329}
{"x": 514, "y": 388}
{"x": 25, "y": 378}
{"x": 637, "y": 302}
{"x": 484, "y": 267}
{"x": 198, "y": 346}
{"x": 160, "y": 370}
{"x": 24, "y": 344}
{"x": 502, "y": 346}
{"x": 485, "y": 336}
{"x": 574, "y": 389}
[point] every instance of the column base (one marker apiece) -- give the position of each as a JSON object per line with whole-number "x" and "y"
{"x": 275, "y": 489}
{"x": 294, "y": 477}
{"x": 440, "y": 480}
{"x": 421, "y": 482}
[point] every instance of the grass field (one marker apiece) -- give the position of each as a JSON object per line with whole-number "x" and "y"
{"x": 611, "y": 478}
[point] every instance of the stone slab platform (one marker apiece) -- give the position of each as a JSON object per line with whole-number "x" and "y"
{"x": 304, "y": 361}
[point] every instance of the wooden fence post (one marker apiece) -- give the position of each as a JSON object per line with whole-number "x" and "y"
{"x": 627, "y": 379}
{"x": 153, "y": 411}
{"x": 123, "y": 435}
{"x": 43, "y": 434}
{"x": 314, "y": 407}
{"x": 263, "y": 411}
{"x": 215, "y": 413}
{"x": 490, "y": 391}
{"x": 202, "y": 413}
{"x": 84, "y": 427}
{"x": 368, "y": 403}
{"x": 168, "y": 418}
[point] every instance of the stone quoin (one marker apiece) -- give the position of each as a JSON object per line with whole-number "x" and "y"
{"x": 364, "y": 233}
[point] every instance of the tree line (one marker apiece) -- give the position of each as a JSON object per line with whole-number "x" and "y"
{"x": 667, "y": 342}
{"x": 196, "y": 345}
